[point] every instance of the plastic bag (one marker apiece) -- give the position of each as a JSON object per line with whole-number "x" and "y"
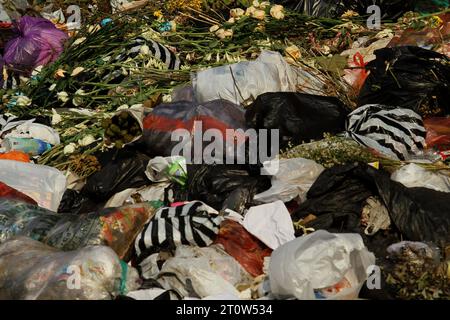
{"x": 126, "y": 169}
{"x": 168, "y": 168}
{"x": 321, "y": 265}
{"x": 193, "y": 223}
{"x": 214, "y": 184}
{"x": 271, "y": 223}
{"x": 298, "y": 117}
{"x": 210, "y": 271}
{"x": 44, "y": 184}
{"x": 29, "y": 129}
{"x": 412, "y": 176}
{"x": 244, "y": 247}
{"x": 438, "y": 132}
{"x": 15, "y": 156}
{"x": 416, "y": 79}
{"x": 38, "y": 43}
{"x": 293, "y": 180}
{"x": 398, "y": 133}
{"x": 114, "y": 227}
{"x": 243, "y": 82}
{"x": 6, "y": 192}
{"x": 30, "y": 270}
{"x": 154, "y": 192}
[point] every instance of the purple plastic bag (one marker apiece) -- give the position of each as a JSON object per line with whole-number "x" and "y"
{"x": 38, "y": 42}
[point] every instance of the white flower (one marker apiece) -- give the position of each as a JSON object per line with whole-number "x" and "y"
{"x": 231, "y": 20}
{"x": 222, "y": 33}
{"x": 70, "y": 148}
{"x": 77, "y": 71}
{"x": 214, "y": 28}
{"x": 237, "y": 13}
{"x": 87, "y": 140}
{"x": 77, "y": 100}
{"x": 144, "y": 50}
{"x": 23, "y": 101}
{"x": 277, "y": 12}
{"x": 250, "y": 11}
{"x": 255, "y": 3}
{"x": 52, "y": 87}
{"x": 78, "y": 41}
{"x": 36, "y": 70}
{"x": 167, "y": 98}
{"x": 63, "y": 96}
{"x": 259, "y": 14}
{"x": 264, "y": 4}
{"x": 56, "y": 117}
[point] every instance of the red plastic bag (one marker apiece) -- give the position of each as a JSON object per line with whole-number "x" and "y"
{"x": 244, "y": 247}
{"x": 11, "y": 193}
{"x": 438, "y": 132}
{"x": 357, "y": 77}
{"x": 15, "y": 155}
{"x": 38, "y": 42}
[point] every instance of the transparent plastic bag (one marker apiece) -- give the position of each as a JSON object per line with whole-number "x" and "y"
{"x": 46, "y": 185}
{"x": 412, "y": 176}
{"x": 31, "y": 270}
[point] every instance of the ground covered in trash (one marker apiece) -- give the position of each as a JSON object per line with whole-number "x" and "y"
{"x": 189, "y": 149}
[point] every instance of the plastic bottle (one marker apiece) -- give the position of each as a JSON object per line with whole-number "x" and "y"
{"x": 32, "y": 147}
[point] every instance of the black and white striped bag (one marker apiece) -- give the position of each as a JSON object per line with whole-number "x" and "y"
{"x": 194, "y": 223}
{"x": 395, "y": 132}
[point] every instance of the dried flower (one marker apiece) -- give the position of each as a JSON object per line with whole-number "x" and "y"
{"x": 86, "y": 140}
{"x": 277, "y": 12}
{"x": 52, "y": 87}
{"x": 259, "y": 14}
{"x": 237, "y": 13}
{"x": 222, "y": 33}
{"x": 78, "y": 100}
{"x": 214, "y": 28}
{"x": 349, "y": 14}
{"x": 77, "y": 71}
{"x": 293, "y": 52}
{"x": 60, "y": 73}
{"x": 231, "y": 20}
{"x": 250, "y": 11}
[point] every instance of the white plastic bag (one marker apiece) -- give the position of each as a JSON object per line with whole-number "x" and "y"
{"x": 320, "y": 265}
{"x": 413, "y": 175}
{"x": 32, "y": 270}
{"x": 158, "y": 168}
{"x": 46, "y": 185}
{"x": 293, "y": 179}
{"x": 29, "y": 129}
{"x": 154, "y": 192}
{"x": 243, "y": 82}
{"x": 271, "y": 223}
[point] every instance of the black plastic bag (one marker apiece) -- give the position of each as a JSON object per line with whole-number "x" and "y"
{"x": 299, "y": 117}
{"x": 77, "y": 203}
{"x": 338, "y": 195}
{"x": 390, "y": 9}
{"x": 120, "y": 170}
{"x": 409, "y": 77}
{"x": 214, "y": 184}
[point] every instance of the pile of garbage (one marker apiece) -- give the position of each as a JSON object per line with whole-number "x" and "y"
{"x": 194, "y": 150}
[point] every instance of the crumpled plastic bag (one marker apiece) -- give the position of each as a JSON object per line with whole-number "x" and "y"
{"x": 31, "y": 270}
{"x": 44, "y": 184}
{"x": 293, "y": 179}
{"x": 243, "y": 82}
{"x": 167, "y": 168}
{"x": 321, "y": 265}
{"x": 412, "y": 176}
{"x": 38, "y": 43}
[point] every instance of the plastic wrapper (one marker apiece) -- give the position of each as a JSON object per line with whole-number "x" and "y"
{"x": 167, "y": 169}
{"x": 321, "y": 265}
{"x": 38, "y": 43}
{"x": 44, "y": 184}
{"x": 416, "y": 79}
{"x": 293, "y": 180}
{"x": 412, "y": 176}
{"x": 298, "y": 117}
{"x": 154, "y": 192}
{"x": 243, "y": 82}
{"x": 244, "y": 247}
{"x": 30, "y": 270}
{"x": 195, "y": 119}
